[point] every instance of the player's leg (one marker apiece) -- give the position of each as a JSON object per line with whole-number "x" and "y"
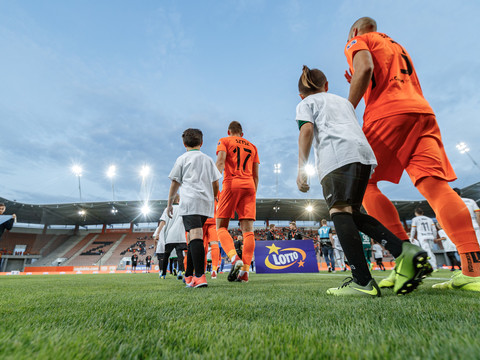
{"x": 215, "y": 251}
{"x": 198, "y": 256}
{"x": 248, "y": 248}
{"x": 425, "y": 244}
{"x": 166, "y": 255}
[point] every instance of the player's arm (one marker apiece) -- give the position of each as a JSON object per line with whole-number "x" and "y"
{"x": 215, "y": 187}
{"x": 255, "y": 175}
{"x": 434, "y": 231}
{"x": 174, "y": 186}
{"x": 221, "y": 158}
{"x": 412, "y": 231}
{"x": 305, "y": 139}
{"x": 477, "y": 216}
{"x": 362, "y": 74}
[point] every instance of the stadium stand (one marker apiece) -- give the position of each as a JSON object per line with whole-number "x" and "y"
{"x": 92, "y": 253}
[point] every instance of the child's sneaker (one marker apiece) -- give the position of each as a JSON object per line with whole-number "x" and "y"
{"x": 180, "y": 275}
{"x": 237, "y": 264}
{"x": 199, "y": 281}
{"x": 188, "y": 280}
{"x": 214, "y": 275}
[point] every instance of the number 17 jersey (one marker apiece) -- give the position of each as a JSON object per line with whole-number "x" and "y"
{"x": 241, "y": 155}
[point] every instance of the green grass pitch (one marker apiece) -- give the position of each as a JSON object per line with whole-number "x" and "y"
{"x": 138, "y": 316}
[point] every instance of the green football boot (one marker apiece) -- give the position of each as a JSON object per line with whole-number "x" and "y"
{"x": 460, "y": 282}
{"x": 411, "y": 268}
{"x": 388, "y": 282}
{"x": 351, "y": 288}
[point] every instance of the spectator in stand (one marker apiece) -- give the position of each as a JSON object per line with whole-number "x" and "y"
{"x": 271, "y": 232}
{"x": 6, "y": 221}
{"x": 134, "y": 262}
{"x": 449, "y": 247}
{"x": 293, "y": 233}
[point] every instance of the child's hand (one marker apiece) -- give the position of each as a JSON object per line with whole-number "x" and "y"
{"x": 302, "y": 181}
{"x": 348, "y": 76}
{"x": 170, "y": 211}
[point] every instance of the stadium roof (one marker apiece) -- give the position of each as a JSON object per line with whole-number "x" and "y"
{"x": 124, "y": 212}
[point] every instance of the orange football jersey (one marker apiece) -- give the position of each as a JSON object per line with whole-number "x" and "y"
{"x": 394, "y": 88}
{"x": 241, "y": 155}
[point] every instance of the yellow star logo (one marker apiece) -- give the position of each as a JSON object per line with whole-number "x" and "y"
{"x": 301, "y": 263}
{"x": 273, "y": 249}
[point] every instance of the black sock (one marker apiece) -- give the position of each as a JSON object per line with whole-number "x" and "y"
{"x": 189, "y": 269}
{"x": 198, "y": 256}
{"x": 373, "y": 228}
{"x": 352, "y": 246}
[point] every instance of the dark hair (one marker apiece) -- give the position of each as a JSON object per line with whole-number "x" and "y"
{"x": 311, "y": 81}
{"x": 235, "y": 127}
{"x": 458, "y": 191}
{"x": 2, "y": 204}
{"x": 419, "y": 210}
{"x": 192, "y": 137}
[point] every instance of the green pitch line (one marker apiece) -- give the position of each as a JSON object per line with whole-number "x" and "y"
{"x": 138, "y": 316}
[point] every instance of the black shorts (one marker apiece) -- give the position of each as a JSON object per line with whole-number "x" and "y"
{"x": 193, "y": 221}
{"x": 134, "y": 264}
{"x": 346, "y": 185}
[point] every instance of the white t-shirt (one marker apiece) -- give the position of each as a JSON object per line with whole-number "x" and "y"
{"x": 377, "y": 251}
{"x": 174, "y": 228}
{"x": 196, "y": 172}
{"x": 337, "y": 245}
{"x": 424, "y": 227}
{"x": 338, "y": 137}
{"x": 472, "y": 208}
{"x": 161, "y": 240}
{"x": 448, "y": 245}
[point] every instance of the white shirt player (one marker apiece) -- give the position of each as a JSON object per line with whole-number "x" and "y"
{"x": 174, "y": 228}
{"x": 472, "y": 209}
{"x": 425, "y": 230}
{"x": 196, "y": 172}
{"x": 377, "y": 251}
{"x": 161, "y": 240}
{"x": 448, "y": 245}
{"x": 338, "y": 137}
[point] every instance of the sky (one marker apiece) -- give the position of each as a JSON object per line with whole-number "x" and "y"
{"x": 96, "y": 83}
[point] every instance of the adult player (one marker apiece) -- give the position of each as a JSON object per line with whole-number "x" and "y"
{"x": 210, "y": 239}
{"x": 325, "y": 237}
{"x": 423, "y": 228}
{"x": 238, "y": 159}
{"x": 401, "y": 127}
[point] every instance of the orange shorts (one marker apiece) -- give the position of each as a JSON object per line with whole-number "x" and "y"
{"x": 241, "y": 201}
{"x": 410, "y": 142}
{"x": 209, "y": 233}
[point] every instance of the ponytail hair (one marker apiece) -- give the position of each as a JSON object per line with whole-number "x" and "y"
{"x": 311, "y": 81}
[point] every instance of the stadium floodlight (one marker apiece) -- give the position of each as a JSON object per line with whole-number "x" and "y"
{"x": 144, "y": 171}
{"x": 276, "y": 208}
{"x": 310, "y": 169}
{"x": 77, "y": 171}
{"x": 145, "y": 209}
{"x": 309, "y": 208}
{"x": 82, "y": 212}
{"x": 277, "y": 169}
{"x": 114, "y": 211}
{"x": 111, "y": 173}
{"x": 464, "y": 149}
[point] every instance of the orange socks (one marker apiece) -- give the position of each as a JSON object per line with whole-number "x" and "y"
{"x": 227, "y": 242}
{"x": 470, "y": 263}
{"x": 382, "y": 209}
{"x": 248, "y": 248}
{"x": 215, "y": 250}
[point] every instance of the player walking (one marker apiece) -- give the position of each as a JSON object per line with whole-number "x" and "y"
{"x": 238, "y": 159}
{"x": 401, "y": 127}
{"x": 325, "y": 237}
{"x": 425, "y": 232}
{"x": 344, "y": 162}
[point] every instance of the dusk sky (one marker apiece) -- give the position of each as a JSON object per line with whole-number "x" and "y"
{"x": 97, "y": 83}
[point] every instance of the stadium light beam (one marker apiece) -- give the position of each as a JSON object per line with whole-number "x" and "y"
{"x": 144, "y": 171}
{"x": 310, "y": 170}
{"x": 145, "y": 210}
{"x": 464, "y": 149}
{"x": 309, "y": 208}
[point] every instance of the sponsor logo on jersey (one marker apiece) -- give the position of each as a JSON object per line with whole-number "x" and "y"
{"x": 279, "y": 258}
{"x": 353, "y": 42}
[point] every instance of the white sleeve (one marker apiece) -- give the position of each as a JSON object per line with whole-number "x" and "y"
{"x": 164, "y": 216}
{"x": 157, "y": 230}
{"x": 434, "y": 230}
{"x": 177, "y": 174}
{"x": 304, "y": 112}
{"x": 413, "y": 229}
{"x": 216, "y": 175}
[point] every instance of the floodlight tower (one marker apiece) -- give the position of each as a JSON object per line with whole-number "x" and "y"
{"x": 111, "y": 173}
{"x": 277, "y": 169}
{"x": 77, "y": 171}
{"x": 464, "y": 149}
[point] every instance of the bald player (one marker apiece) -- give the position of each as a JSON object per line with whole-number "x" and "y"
{"x": 401, "y": 128}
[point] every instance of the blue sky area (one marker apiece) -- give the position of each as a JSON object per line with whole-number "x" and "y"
{"x": 116, "y": 82}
